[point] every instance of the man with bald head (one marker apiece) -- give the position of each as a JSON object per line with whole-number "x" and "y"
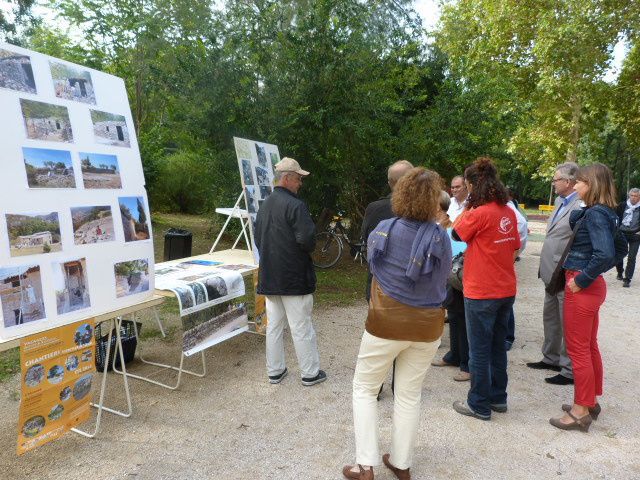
{"x": 381, "y": 209}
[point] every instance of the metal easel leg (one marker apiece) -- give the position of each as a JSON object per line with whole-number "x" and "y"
{"x": 100, "y": 405}
{"x": 179, "y": 369}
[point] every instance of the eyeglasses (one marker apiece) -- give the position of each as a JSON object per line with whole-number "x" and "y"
{"x": 558, "y": 179}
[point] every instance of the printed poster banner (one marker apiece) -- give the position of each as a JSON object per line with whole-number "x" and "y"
{"x": 213, "y": 325}
{"x": 57, "y": 373}
{"x": 75, "y": 227}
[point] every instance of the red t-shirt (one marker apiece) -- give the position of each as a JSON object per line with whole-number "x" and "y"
{"x": 491, "y": 233}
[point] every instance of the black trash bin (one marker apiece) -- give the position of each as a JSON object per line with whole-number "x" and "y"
{"x": 177, "y": 244}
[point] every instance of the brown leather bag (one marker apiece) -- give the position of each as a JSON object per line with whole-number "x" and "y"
{"x": 393, "y": 320}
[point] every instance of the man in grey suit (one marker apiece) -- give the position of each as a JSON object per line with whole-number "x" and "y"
{"x": 558, "y": 233}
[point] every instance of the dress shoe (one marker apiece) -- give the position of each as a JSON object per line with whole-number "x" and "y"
{"x": 626, "y": 283}
{"x": 559, "y": 380}
{"x": 361, "y": 475}
{"x": 593, "y": 411}
{"x": 582, "y": 423}
{"x": 441, "y": 363}
{"x": 399, "y": 473}
{"x": 619, "y": 277}
{"x": 543, "y": 366}
{"x": 499, "y": 407}
{"x": 462, "y": 376}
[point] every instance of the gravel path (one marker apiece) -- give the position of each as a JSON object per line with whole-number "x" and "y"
{"x": 234, "y": 425}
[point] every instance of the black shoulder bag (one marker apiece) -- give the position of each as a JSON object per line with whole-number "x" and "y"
{"x": 558, "y": 279}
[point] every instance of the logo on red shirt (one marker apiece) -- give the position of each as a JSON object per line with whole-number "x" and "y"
{"x": 506, "y": 225}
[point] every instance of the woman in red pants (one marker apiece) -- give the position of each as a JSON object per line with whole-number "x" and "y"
{"x": 592, "y": 253}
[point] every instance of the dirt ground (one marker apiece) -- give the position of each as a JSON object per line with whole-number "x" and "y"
{"x": 233, "y": 424}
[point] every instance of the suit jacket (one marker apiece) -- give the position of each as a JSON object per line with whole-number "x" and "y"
{"x": 558, "y": 234}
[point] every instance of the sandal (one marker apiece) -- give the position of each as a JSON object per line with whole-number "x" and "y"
{"x": 593, "y": 411}
{"x": 361, "y": 475}
{"x": 582, "y": 423}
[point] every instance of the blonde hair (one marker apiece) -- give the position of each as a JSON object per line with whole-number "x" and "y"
{"x": 417, "y": 195}
{"x": 602, "y": 190}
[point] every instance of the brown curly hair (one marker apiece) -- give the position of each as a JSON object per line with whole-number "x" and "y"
{"x": 486, "y": 186}
{"x": 417, "y": 195}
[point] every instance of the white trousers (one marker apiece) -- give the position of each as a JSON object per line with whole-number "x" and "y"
{"x": 374, "y": 361}
{"x": 296, "y": 309}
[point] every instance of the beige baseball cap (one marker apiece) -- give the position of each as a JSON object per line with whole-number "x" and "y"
{"x": 290, "y": 165}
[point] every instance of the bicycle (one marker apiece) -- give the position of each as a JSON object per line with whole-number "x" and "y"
{"x": 329, "y": 245}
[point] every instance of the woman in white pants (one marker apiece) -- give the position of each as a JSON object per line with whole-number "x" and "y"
{"x": 410, "y": 259}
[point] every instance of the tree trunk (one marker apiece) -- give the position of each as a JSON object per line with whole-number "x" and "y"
{"x": 576, "y": 112}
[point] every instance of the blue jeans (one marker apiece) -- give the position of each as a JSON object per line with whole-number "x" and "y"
{"x": 511, "y": 330}
{"x": 487, "y": 331}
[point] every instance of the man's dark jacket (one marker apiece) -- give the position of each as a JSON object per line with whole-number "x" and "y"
{"x": 285, "y": 237}
{"x": 373, "y": 215}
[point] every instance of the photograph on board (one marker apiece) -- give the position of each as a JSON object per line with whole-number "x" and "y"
{"x": 262, "y": 155}
{"x": 263, "y": 176}
{"x": 247, "y": 176}
{"x": 134, "y": 218}
{"x": 16, "y": 72}
{"x": 274, "y": 158}
{"x": 250, "y": 191}
{"x": 82, "y": 387}
{"x": 71, "y": 285}
{"x": 110, "y": 129}
{"x": 265, "y": 192}
{"x": 72, "y": 83}
{"x": 185, "y": 296}
{"x": 33, "y": 233}
{"x": 48, "y": 168}
{"x": 131, "y": 277}
{"x": 243, "y": 147}
{"x": 44, "y": 121}
{"x": 100, "y": 170}
{"x": 92, "y": 224}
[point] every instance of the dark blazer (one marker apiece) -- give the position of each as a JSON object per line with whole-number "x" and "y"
{"x": 285, "y": 238}
{"x": 373, "y": 215}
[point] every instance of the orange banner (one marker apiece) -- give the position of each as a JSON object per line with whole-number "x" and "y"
{"x": 57, "y": 372}
{"x": 259, "y": 310}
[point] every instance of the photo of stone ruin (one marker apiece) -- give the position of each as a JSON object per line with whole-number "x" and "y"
{"x": 110, "y": 129}
{"x": 47, "y": 168}
{"x": 33, "y": 233}
{"x": 72, "y": 83}
{"x": 135, "y": 221}
{"x": 16, "y": 72}
{"x": 71, "y": 285}
{"x": 92, "y": 225}
{"x": 131, "y": 277}
{"x": 100, "y": 170}
{"x": 45, "y": 121}
{"x": 21, "y": 295}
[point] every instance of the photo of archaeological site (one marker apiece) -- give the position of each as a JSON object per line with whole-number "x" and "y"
{"x": 72, "y": 83}
{"x": 110, "y": 129}
{"x": 45, "y": 121}
{"x": 100, "y": 170}
{"x": 131, "y": 277}
{"x": 92, "y": 225}
{"x": 16, "y": 72}
{"x": 71, "y": 285}
{"x": 262, "y": 155}
{"x": 274, "y": 158}
{"x": 47, "y": 168}
{"x": 247, "y": 176}
{"x": 134, "y": 218}
{"x": 33, "y": 233}
{"x": 208, "y": 331}
{"x": 21, "y": 295}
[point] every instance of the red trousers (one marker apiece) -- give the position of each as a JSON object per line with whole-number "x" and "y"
{"x": 581, "y": 319}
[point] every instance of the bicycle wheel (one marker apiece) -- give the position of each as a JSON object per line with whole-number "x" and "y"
{"x": 328, "y": 250}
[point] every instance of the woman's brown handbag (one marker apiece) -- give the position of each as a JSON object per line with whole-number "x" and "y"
{"x": 393, "y": 320}
{"x": 558, "y": 278}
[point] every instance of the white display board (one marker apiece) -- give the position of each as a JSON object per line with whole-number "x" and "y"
{"x": 255, "y": 161}
{"x": 75, "y": 227}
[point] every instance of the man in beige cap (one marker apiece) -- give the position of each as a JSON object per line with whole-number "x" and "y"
{"x": 285, "y": 238}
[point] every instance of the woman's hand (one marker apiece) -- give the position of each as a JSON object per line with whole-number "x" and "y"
{"x": 573, "y": 286}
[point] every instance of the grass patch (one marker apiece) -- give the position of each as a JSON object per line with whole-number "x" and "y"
{"x": 342, "y": 285}
{"x": 149, "y": 333}
{"x": 9, "y": 363}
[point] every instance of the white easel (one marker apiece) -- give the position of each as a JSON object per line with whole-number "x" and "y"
{"x": 234, "y": 212}
{"x": 116, "y": 323}
{"x": 179, "y": 369}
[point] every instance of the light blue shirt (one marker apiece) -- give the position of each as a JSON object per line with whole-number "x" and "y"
{"x": 565, "y": 202}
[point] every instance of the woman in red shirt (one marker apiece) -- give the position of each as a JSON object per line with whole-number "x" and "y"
{"x": 489, "y": 227}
